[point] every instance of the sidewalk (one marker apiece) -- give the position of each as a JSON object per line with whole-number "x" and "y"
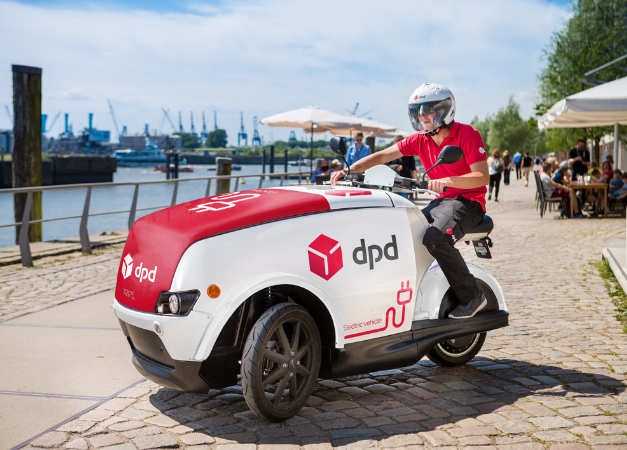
{"x": 554, "y": 379}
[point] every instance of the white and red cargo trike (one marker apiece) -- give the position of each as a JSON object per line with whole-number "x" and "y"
{"x": 281, "y": 286}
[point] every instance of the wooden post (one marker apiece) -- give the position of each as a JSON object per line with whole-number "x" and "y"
{"x": 272, "y": 159}
{"x": 27, "y": 144}
{"x": 370, "y": 142}
{"x": 285, "y": 163}
{"x": 223, "y": 167}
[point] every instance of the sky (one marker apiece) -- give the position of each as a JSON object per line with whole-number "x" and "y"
{"x": 264, "y": 57}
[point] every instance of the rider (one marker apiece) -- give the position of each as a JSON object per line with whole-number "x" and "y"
{"x": 462, "y": 206}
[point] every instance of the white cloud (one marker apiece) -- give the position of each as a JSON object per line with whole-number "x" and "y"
{"x": 271, "y": 56}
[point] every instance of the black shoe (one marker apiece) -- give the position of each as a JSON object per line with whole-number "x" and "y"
{"x": 469, "y": 310}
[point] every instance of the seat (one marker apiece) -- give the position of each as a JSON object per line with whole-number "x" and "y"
{"x": 484, "y": 227}
{"x": 544, "y": 202}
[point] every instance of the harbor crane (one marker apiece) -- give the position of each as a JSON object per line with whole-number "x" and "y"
{"x": 115, "y": 122}
{"x": 191, "y": 115}
{"x": 204, "y": 134}
{"x": 180, "y": 123}
{"x": 242, "y": 136}
{"x": 292, "y": 136}
{"x": 167, "y": 116}
{"x": 215, "y": 120}
{"x": 54, "y": 121}
{"x": 354, "y": 111}
{"x": 256, "y": 139}
{"x": 6, "y": 108}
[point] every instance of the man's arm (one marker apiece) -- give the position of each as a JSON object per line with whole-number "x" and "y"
{"x": 382, "y": 157}
{"x": 557, "y": 185}
{"x": 479, "y": 176}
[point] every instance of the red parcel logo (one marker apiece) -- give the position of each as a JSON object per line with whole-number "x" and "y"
{"x": 325, "y": 257}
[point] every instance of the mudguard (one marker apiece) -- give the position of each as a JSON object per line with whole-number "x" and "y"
{"x": 434, "y": 285}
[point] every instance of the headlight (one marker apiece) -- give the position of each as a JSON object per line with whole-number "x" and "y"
{"x": 177, "y": 303}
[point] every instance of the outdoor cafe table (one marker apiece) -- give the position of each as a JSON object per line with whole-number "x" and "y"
{"x": 574, "y": 185}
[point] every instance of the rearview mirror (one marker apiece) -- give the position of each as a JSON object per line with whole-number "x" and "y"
{"x": 338, "y": 145}
{"x": 451, "y": 154}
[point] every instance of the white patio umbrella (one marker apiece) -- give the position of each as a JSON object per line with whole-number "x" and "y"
{"x": 599, "y": 106}
{"x": 375, "y": 127}
{"x": 313, "y": 118}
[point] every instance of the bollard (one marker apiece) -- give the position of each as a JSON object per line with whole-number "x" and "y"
{"x": 27, "y": 145}
{"x": 272, "y": 159}
{"x": 223, "y": 167}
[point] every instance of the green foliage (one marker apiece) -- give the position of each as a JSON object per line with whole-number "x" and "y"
{"x": 596, "y": 34}
{"x": 508, "y": 131}
{"x": 217, "y": 139}
{"x": 614, "y": 290}
{"x": 189, "y": 140}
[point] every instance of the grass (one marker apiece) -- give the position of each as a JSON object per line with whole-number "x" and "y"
{"x": 615, "y": 291}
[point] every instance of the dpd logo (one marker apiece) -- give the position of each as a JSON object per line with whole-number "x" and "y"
{"x": 224, "y": 201}
{"x": 141, "y": 272}
{"x": 127, "y": 266}
{"x": 373, "y": 253}
{"x": 325, "y": 257}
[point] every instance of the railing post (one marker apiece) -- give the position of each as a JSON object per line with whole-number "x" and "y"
{"x": 85, "y": 244}
{"x": 131, "y": 216}
{"x": 27, "y": 258}
{"x": 208, "y": 188}
{"x": 175, "y": 192}
{"x": 236, "y": 188}
{"x": 282, "y": 176}
{"x": 261, "y": 181}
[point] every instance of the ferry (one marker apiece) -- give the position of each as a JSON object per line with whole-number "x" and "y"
{"x": 148, "y": 156}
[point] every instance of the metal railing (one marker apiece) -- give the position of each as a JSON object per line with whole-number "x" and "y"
{"x": 23, "y": 241}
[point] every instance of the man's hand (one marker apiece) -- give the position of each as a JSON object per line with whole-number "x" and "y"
{"x": 335, "y": 176}
{"x": 578, "y": 158}
{"x": 439, "y": 185}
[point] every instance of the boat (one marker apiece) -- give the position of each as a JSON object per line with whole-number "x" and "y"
{"x": 233, "y": 167}
{"x": 183, "y": 167}
{"x": 149, "y": 155}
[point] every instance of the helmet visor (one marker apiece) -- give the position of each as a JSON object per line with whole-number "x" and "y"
{"x": 426, "y": 110}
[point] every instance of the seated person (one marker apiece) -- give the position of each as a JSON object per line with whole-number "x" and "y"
{"x": 561, "y": 175}
{"x": 617, "y": 181}
{"x": 557, "y": 190}
{"x": 593, "y": 165}
{"x": 336, "y": 164}
{"x": 595, "y": 198}
{"x": 324, "y": 169}
{"x": 607, "y": 171}
{"x": 621, "y": 193}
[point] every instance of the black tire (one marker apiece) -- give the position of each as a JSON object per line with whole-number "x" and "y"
{"x": 280, "y": 362}
{"x": 456, "y": 352}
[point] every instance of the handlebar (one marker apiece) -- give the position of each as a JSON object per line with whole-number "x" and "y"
{"x": 356, "y": 179}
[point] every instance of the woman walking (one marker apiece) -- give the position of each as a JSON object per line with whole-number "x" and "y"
{"x": 507, "y": 162}
{"x": 495, "y": 167}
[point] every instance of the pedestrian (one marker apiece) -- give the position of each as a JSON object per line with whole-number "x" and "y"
{"x": 527, "y": 164}
{"x": 517, "y": 161}
{"x": 495, "y": 169}
{"x": 462, "y": 206}
{"x": 507, "y": 166}
{"x": 324, "y": 170}
{"x": 358, "y": 150}
{"x": 405, "y": 166}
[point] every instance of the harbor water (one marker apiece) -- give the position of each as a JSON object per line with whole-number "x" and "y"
{"x": 70, "y": 202}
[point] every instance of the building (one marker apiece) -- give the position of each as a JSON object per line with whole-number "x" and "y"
{"x": 6, "y": 141}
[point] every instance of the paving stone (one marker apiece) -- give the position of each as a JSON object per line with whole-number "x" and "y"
{"x": 569, "y": 447}
{"x": 514, "y": 426}
{"x": 591, "y": 420}
{"x": 546, "y": 423}
{"x": 155, "y": 441}
{"x": 125, "y": 446}
{"x": 403, "y": 440}
{"x": 126, "y": 426}
{"x": 613, "y": 429}
{"x": 50, "y": 440}
{"x": 196, "y": 439}
{"x": 580, "y": 411}
{"x": 608, "y": 439}
{"x": 473, "y": 431}
{"x": 77, "y": 444}
{"x": 354, "y": 391}
{"x": 338, "y": 423}
{"x": 360, "y": 432}
{"x": 117, "y": 404}
{"x": 76, "y": 426}
{"x": 378, "y": 388}
{"x": 96, "y": 415}
{"x": 555, "y": 436}
{"x": 475, "y": 440}
{"x": 162, "y": 421}
{"x": 105, "y": 440}
{"x": 437, "y": 438}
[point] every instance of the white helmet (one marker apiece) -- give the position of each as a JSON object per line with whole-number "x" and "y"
{"x": 429, "y": 98}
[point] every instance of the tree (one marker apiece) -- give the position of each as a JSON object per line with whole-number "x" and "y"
{"x": 217, "y": 139}
{"x": 189, "y": 140}
{"x": 508, "y": 131}
{"x": 596, "y": 34}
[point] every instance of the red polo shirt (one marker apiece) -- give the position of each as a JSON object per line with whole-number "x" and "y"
{"x": 426, "y": 149}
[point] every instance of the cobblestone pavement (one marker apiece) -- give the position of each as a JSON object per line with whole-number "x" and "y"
{"x": 56, "y": 280}
{"x": 554, "y": 379}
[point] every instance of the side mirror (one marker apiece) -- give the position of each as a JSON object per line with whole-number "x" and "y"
{"x": 451, "y": 154}
{"x": 338, "y": 145}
